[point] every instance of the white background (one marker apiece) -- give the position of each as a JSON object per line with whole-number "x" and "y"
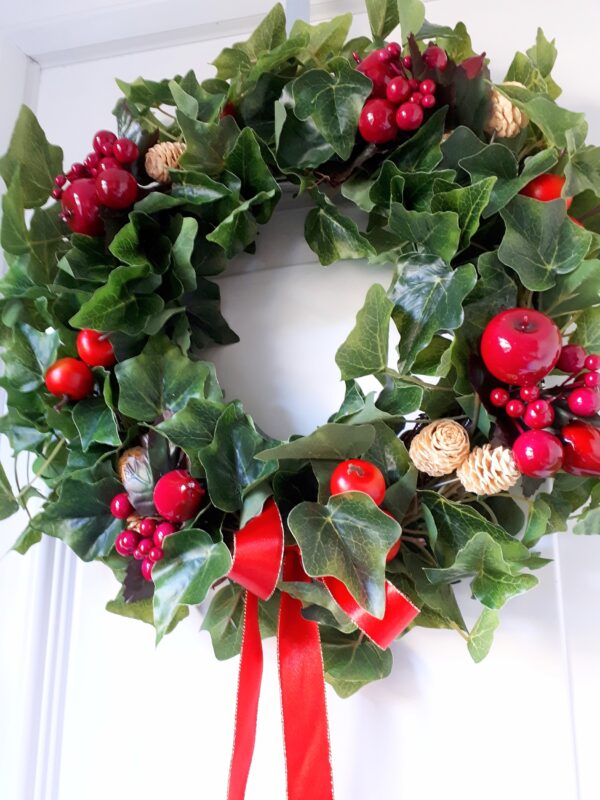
{"x": 89, "y": 709}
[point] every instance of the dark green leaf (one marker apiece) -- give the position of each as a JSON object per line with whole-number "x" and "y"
{"x": 365, "y": 351}
{"x": 469, "y": 203}
{"x": 332, "y": 441}
{"x": 352, "y": 661}
{"x": 95, "y": 422}
{"x": 437, "y": 233}
{"x": 332, "y": 235}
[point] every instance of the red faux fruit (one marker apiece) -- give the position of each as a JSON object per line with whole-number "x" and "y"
{"x": 116, "y": 188}
{"x": 584, "y": 402}
{"x": 163, "y": 530}
{"x": 356, "y": 475}
{"x": 77, "y": 171}
{"x": 138, "y": 555}
{"x": 538, "y": 454}
{"x": 393, "y": 551}
{"x": 377, "y": 123}
{"x": 129, "y": 541}
{"x": 591, "y": 380}
{"x": 71, "y": 378}
{"x": 145, "y": 546}
{"x": 91, "y": 160}
{"x": 592, "y": 362}
{"x": 147, "y": 527}
{"x": 122, "y": 546}
{"x": 577, "y": 222}
{"x": 156, "y": 554}
{"x": 120, "y": 507}
{"x": 529, "y": 393}
{"x": 103, "y": 142}
{"x": 581, "y": 443}
{"x": 178, "y": 496}
{"x": 125, "y": 151}
{"x": 515, "y": 409}
{"x": 407, "y": 62}
{"x": 56, "y": 193}
{"x": 539, "y": 414}
{"x": 499, "y": 397}
{"x": 228, "y": 110}
{"x": 108, "y": 163}
{"x": 394, "y": 50}
{"x": 60, "y": 180}
{"x": 435, "y": 57}
{"x": 416, "y": 97}
{"x": 376, "y": 66}
{"x": 428, "y": 101}
{"x": 545, "y": 188}
{"x": 520, "y": 346}
{"x": 409, "y": 117}
{"x": 571, "y": 359}
{"x": 81, "y": 207}
{"x": 147, "y": 569}
{"x": 427, "y": 87}
{"x": 398, "y": 90}
{"x": 95, "y": 349}
{"x": 414, "y": 85}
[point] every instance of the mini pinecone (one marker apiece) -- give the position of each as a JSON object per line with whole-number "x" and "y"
{"x": 133, "y": 522}
{"x": 505, "y": 119}
{"x": 163, "y": 157}
{"x": 488, "y": 470}
{"x": 131, "y": 454}
{"x": 440, "y": 448}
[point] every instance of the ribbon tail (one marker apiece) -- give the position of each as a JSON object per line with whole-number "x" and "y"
{"x": 250, "y": 677}
{"x": 304, "y": 711}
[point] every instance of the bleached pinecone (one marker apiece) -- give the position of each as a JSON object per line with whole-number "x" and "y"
{"x": 129, "y": 455}
{"x": 163, "y": 157}
{"x": 488, "y": 470}
{"x": 440, "y": 448}
{"x": 505, "y": 119}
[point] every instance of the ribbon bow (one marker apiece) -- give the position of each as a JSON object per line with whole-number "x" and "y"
{"x": 257, "y": 559}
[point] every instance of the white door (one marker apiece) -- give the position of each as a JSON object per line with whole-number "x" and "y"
{"x": 89, "y": 709}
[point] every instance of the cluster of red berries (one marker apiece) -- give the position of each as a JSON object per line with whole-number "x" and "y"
{"x": 177, "y": 498}
{"x": 71, "y": 378}
{"x": 398, "y": 101}
{"x": 102, "y": 179}
{"x": 520, "y": 347}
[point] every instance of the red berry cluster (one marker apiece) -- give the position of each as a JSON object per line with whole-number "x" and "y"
{"x": 520, "y": 347}
{"x": 177, "y": 498}
{"x": 102, "y": 180}
{"x": 73, "y": 379}
{"x": 398, "y": 101}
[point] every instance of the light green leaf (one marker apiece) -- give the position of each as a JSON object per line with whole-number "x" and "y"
{"x": 207, "y": 144}
{"x": 469, "y": 202}
{"x": 537, "y": 522}
{"x": 482, "y": 634}
{"x": 365, "y": 351}
{"x": 96, "y": 423}
{"x": 554, "y": 122}
{"x": 326, "y": 39}
{"x": 332, "y": 441}
{"x": 437, "y": 233}
{"x": 383, "y": 17}
{"x": 8, "y": 503}
{"x": 352, "y": 661}
{"x": 587, "y": 333}
{"x": 411, "y": 15}
{"x": 332, "y": 235}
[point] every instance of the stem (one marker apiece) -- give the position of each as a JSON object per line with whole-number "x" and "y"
{"x": 416, "y": 381}
{"x": 459, "y": 630}
{"x": 42, "y": 469}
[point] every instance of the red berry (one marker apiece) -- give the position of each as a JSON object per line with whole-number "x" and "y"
{"x": 414, "y": 85}
{"x": 592, "y": 362}
{"x": 120, "y": 507}
{"x": 228, "y": 109}
{"x": 581, "y": 448}
{"x": 538, "y": 454}
{"x": 383, "y": 55}
{"x": 147, "y": 527}
{"x": 435, "y": 57}
{"x": 81, "y": 208}
{"x": 162, "y": 531}
{"x": 129, "y": 541}
{"x": 584, "y": 402}
{"x": 116, "y": 188}
{"x": 571, "y": 359}
{"x": 356, "y": 475}
{"x": 428, "y": 101}
{"x": 121, "y": 550}
{"x": 394, "y": 49}
{"x": 60, "y": 180}
{"x": 427, "y": 87}
{"x": 178, "y": 496}
{"x": 377, "y": 68}
{"x": 520, "y": 346}
{"x": 416, "y": 97}
{"x": 539, "y": 414}
{"x": 409, "y": 117}
{"x": 407, "y": 62}
{"x": 545, "y": 188}
{"x": 591, "y": 379}
{"x": 397, "y": 90}
{"x": 376, "y": 123}
{"x": 108, "y": 162}
{"x": 499, "y": 397}
{"x": 529, "y": 392}
{"x": 95, "y": 349}
{"x": 145, "y": 546}
{"x": 515, "y": 408}
{"x": 56, "y": 193}
{"x": 70, "y": 377}
{"x": 125, "y": 151}
{"x": 91, "y": 160}
{"x": 138, "y": 555}
{"x": 77, "y": 171}
{"x": 103, "y": 142}
{"x": 156, "y": 554}
{"x": 393, "y": 551}
{"x": 147, "y": 569}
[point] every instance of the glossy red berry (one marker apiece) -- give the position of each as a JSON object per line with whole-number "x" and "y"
{"x": 571, "y": 359}
{"x": 178, "y": 496}
{"x": 545, "y": 188}
{"x": 538, "y": 454}
{"x": 584, "y": 402}
{"x": 393, "y": 551}
{"x": 125, "y": 151}
{"x": 377, "y": 123}
{"x": 520, "y": 346}
{"x": 581, "y": 443}
{"x": 91, "y": 160}
{"x": 397, "y": 90}
{"x": 592, "y": 362}
{"x": 435, "y": 58}
{"x": 499, "y": 397}
{"x": 81, "y": 208}
{"x": 376, "y": 67}
{"x": 129, "y": 541}
{"x": 116, "y": 188}
{"x": 108, "y": 162}
{"x": 416, "y": 97}
{"x": 139, "y": 556}
{"x": 515, "y": 409}
{"x": 539, "y": 414}
{"x": 163, "y": 530}
{"x": 591, "y": 380}
{"x": 120, "y": 507}
{"x": 428, "y": 101}
{"x": 60, "y": 180}
{"x": 103, "y": 142}
{"x": 121, "y": 549}
{"x": 71, "y": 378}
{"x": 147, "y": 527}
{"x": 95, "y": 348}
{"x": 427, "y": 87}
{"x": 409, "y": 117}
{"x": 147, "y": 569}
{"x": 145, "y": 546}
{"x": 156, "y": 554}
{"x": 76, "y": 171}
{"x": 56, "y": 193}
{"x": 529, "y": 393}
{"x": 407, "y": 62}
{"x": 394, "y": 50}
{"x": 356, "y": 475}
{"x": 414, "y": 85}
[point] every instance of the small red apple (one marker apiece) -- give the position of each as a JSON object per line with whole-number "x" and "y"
{"x": 81, "y": 208}
{"x": 581, "y": 445}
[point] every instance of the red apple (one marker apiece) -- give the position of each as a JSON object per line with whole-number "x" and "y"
{"x": 538, "y": 454}
{"x": 81, "y": 208}
{"x": 581, "y": 445}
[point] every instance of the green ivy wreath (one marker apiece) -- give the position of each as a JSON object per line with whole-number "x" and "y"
{"x": 443, "y": 202}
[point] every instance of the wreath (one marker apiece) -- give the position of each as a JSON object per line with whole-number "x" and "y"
{"x": 483, "y": 436}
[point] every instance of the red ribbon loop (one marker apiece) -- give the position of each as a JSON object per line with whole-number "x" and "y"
{"x": 258, "y": 553}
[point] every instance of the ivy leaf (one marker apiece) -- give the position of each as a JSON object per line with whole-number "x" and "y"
{"x": 192, "y": 563}
{"x": 540, "y": 242}
{"x": 437, "y": 233}
{"x": 96, "y": 423}
{"x": 383, "y": 17}
{"x": 469, "y": 202}
{"x": 482, "y": 634}
{"x": 332, "y": 235}
{"x": 8, "y": 503}
{"x": 582, "y": 171}
{"x": 422, "y": 151}
{"x": 351, "y": 661}
{"x": 388, "y": 453}
{"x": 192, "y": 427}
{"x": 246, "y": 161}
{"x": 365, "y": 351}
{"x": 428, "y": 296}
{"x": 495, "y": 580}
{"x": 325, "y": 39}
{"x": 14, "y": 235}
{"x": 207, "y": 144}
{"x": 232, "y": 470}
{"x": 576, "y": 291}
{"x": 28, "y": 355}
{"x": 554, "y": 122}
{"x": 349, "y": 539}
{"x": 141, "y": 610}
{"x": 587, "y": 333}
{"x": 588, "y": 522}
{"x": 537, "y": 522}
{"x": 411, "y": 15}
{"x": 333, "y": 441}
{"x": 270, "y": 33}
{"x": 37, "y": 161}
